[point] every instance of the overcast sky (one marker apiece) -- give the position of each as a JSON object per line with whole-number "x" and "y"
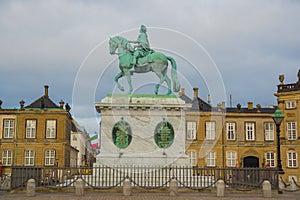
{"x": 63, "y": 44}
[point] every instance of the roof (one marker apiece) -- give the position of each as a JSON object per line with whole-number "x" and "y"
{"x": 43, "y": 102}
{"x": 254, "y": 110}
{"x": 75, "y": 128}
{"x": 199, "y": 104}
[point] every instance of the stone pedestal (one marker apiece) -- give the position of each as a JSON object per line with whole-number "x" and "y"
{"x": 267, "y": 189}
{"x": 150, "y": 119}
{"x": 173, "y": 188}
{"x": 220, "y": 188}
{"x": 30, "y": 190}
{"x": 79, "y": 187}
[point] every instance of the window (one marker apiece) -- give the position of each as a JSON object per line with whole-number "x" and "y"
{"x": 270, "y": 159}
{"x": 292, "y": 159}
{"x": 51, "y": 129}
{"x": 269, "y": 131}
{"x": 191, "y": 131}
{"x": 230, "y": 130}
{"x": 29, "y": 158}
{"x": 211, "y": 159}
{"x": 231, "y": 158}
{"x": 49, "y": 157}
{"x": 291, "y": 130}
{"x": 210, "y": 128}
{"x": 193, "y": 158}
{"x": 9, "y": 128}
{"x": 74, "y": 138}
{"x": 7, "y": 157}
{"x": 250, "y": 131}
{"x": 30, "y": 128}
{"x": 290, "y": 105}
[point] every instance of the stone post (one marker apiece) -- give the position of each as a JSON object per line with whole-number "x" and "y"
{"x": 126, "y": 187}
{"x": 266, "y": 189}
{"x": 173, "y": 188}
{"x": 30, "y": 190}
{"x": 79, "y": 187}
{"x": 220, "y": 188}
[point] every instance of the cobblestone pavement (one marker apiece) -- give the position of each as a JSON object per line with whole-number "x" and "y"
{"x": 143, "y": 196}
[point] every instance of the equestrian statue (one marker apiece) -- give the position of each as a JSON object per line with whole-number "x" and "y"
{"x": 142, "y": 59}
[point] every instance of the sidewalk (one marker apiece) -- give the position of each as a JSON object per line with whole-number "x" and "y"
{"x": 144, "y": 196}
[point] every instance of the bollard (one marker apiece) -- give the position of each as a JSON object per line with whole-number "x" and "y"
{"x": 266, "y": 189}
{"x": 173, "y": 188}
{"x": 127, "y": 187}
{"x": 30, "y": 190}
{"x": 79, "y": 187}
{"x": 220, "y": 188}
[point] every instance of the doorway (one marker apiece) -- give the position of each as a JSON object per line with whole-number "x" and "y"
{"x": 251, "y": 161}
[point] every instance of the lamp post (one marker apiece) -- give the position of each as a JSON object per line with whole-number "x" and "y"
{"x": 278, "y": 118}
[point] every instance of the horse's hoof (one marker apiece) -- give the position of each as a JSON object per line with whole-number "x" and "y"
{"x": 169, "y": 92}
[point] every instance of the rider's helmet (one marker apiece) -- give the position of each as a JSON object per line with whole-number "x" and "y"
{"x": 143, "y": 28}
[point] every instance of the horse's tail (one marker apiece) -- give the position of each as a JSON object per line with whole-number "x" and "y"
{"x": 176, "y": 84}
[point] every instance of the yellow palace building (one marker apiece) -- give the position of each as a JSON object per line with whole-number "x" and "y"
{"x": 245, "y": 136}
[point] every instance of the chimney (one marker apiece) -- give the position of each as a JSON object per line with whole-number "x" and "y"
{"x": 195, "y": 93}
{"x": 182, "y": 92}
{"x": 1, "y": 104}
{"x": 238, "y": 107}
{"x": 258, "y": 106}
{"x": 223, "y": 105}
{"x": 61, "y": 104}
{"x": 208, "y": 99}
{"x": 250, "y": 105}
{"x": 46, "y": 90}
{"x": 22, "y": 102}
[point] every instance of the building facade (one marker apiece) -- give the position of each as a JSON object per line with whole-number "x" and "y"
{"x": 288, "y": 98}
{"x": 80, "y": 140}
{"x": 36, "y": 135}
{"x": 244, "y": 136}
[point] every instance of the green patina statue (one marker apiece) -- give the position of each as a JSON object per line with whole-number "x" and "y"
{"x": 142, "y": 59}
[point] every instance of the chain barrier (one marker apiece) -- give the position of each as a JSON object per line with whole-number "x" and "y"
{"x": 289, "y": 185}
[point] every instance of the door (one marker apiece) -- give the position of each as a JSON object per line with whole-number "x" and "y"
{"x": 251, "y": 161}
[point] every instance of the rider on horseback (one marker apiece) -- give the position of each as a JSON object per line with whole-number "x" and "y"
{"x": 143, "y": 47}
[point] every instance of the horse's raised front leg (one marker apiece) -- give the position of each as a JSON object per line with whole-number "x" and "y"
{"x": 128, "y": 77}
{"x": 117, "y": 77}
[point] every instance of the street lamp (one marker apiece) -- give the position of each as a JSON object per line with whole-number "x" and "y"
{"x": 278, "y": 118}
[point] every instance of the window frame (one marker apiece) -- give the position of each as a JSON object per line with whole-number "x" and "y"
{"x": 230, "y": 159}
{"x": 289, "y": 105}
{"x": 291, "y": 131}
{"x": 52, "y": 134}
{"x": 210, "y": 133}
{"x": 29, "y": 128}
{"x": 29, "y": 159}
{"x": 292, "y": 161}
{"x": 269, "y": 134}
{"x": 193, "y": 158}
{"x": 211, "y": 159}
{"x": 8, "y": 131}
{"x": 191, "y": 130}
{"x": 252, "y": 131}
{"x": 49, "y": 157}
{"x": 232, "y": 131}
{"x": 270, "y": 158}
{"x": 7, "y": 158}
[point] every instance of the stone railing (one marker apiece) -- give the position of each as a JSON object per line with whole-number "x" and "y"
{"x": 288, "y": 87}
